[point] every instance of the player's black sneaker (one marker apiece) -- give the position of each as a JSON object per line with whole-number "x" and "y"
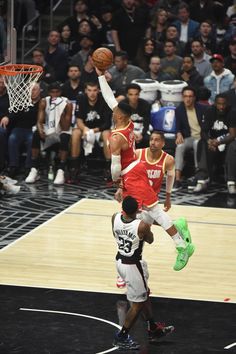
{"x": 160, "y": 331}
{"x": 125, "y": 343}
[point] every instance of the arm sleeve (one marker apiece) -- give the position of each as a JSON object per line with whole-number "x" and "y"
{"x": 107, "y": 92}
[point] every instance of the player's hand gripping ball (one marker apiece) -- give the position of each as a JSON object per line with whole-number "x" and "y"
{"x": 102, "y": 58}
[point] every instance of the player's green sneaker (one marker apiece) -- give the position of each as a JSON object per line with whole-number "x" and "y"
{"x": 182, "y": 227}
{"x": 183, "y": 256}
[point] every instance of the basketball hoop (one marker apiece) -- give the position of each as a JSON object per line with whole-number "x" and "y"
{"x": 19, "y": 80}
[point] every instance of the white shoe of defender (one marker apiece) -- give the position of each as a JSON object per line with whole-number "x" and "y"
{"x": 60, "y": 177}
{"x": 33, "y": 176}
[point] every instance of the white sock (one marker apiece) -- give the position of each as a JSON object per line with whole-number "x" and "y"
{"x": 179, "y": 242}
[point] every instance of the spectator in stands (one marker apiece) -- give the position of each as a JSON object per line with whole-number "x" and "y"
{"x": 21, "y": 133}
{"x": 93, "y": 126}
{"x": 220, "y": 79}
{"x": 141, "y": 112}
{"x": 88, "y": 73}
{"x": 4, "y": 105}
{"x": 123, "y": 73}
{"x": 82, "y": 50}
{"x": 190, "y": 74}
{"x": 86, "y": 28}
{"x": 106, "y": 20}
{"x": 38, "y": 58}
{"x": 66, "y": 40}
{"x": 155, "y": 72}
{"x": 158, "y": 26}
{"x": 231, "y": 95}
{"x": 171, "y": 6}
{"x": 173, "y": 34}
{"x": 217, "y": 146}
{"x": 56, "y": 57}
{"x": 171, "y": 63}
{"x": 129, "y": 24}
{"x": 230, "y": 61}
{"x": 72, "y": 88}
{"x": 201, "y": 58}
{"x": 186, "y": 27}
{"x": 145, "y": 51}
{"x": 80, "y": 13}
{"x": 53, "y": 129}
{"x": 189, "y": 119}
{"x": 207, "y": 37}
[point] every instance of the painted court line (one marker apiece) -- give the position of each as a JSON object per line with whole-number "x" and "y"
{"x": 79, "y": 315}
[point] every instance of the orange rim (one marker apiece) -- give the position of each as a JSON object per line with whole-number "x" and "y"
{"x": 16, "y": 69}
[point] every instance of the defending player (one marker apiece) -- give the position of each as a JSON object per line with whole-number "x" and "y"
{"x": 126, "y": 166}
{"x": 130, "y": 234}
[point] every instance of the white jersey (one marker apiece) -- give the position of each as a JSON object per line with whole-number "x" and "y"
{"x": 53, "y": 111}
{"x": 129, "y": 244}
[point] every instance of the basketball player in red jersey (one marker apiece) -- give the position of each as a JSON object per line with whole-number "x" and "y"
{"x": 127, "y": 168}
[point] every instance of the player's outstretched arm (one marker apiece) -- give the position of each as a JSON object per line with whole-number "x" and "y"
{"x": 107, "y": 93}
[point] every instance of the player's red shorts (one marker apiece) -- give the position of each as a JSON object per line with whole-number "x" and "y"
{"x": 136, "y": 184}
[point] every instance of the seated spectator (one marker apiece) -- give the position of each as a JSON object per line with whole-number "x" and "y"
{"x": 145, "y": 51}
{"x": 4, "y": 105}
{"x": 201, "y": 58}
{"x": 189, "y": 119}
{"x": 72, "y": 88}
{"x": 66, "y": 40}
{"x": 93, "y": 126}
{"x": 171, "y": 63}
{"x": 217, "y": 146}
{"x": 38, "y": 58}
{"x": 141, "y": 111}
{"x": 53, "y": 129}
{"x": 106, "y": 20}
{"x": 86, "y": 29}
{"x": 82, "y": 51}
{"x": 155, "y": 72}
{"x": 190, "y": 74}
{"x": 123, "y": 73}
{"x": 171, "y": 6}
{"x": 230, "y": 60}
{"x": 207, "y": 37}
{"x": 158, "y": 25}
{"x": 220, "y": 79}
{"x": 56, "y": 57}
{"x": 173, "y": 34}
{"x": 186, "y": 27}
{"x": 80, "y": 12}
{"x": 21, "y": 133}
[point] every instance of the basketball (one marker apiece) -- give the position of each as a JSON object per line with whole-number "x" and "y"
{"x": 102, "y": 58}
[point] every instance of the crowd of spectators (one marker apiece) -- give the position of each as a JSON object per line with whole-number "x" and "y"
{"x": 192, "y": 41}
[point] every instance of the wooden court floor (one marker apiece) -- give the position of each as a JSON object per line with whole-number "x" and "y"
{"x": 75, "y": 250}
{"x": 58, "y": 293}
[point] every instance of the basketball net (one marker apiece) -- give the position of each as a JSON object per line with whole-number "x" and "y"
{"x": 19, "y": 80}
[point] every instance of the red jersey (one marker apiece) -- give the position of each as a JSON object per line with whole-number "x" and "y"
{"x": 155, "y": 170}
{"x": 128, "y": 155}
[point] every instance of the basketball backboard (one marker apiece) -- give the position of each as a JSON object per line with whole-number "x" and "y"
{"x": 7, "y": 32}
